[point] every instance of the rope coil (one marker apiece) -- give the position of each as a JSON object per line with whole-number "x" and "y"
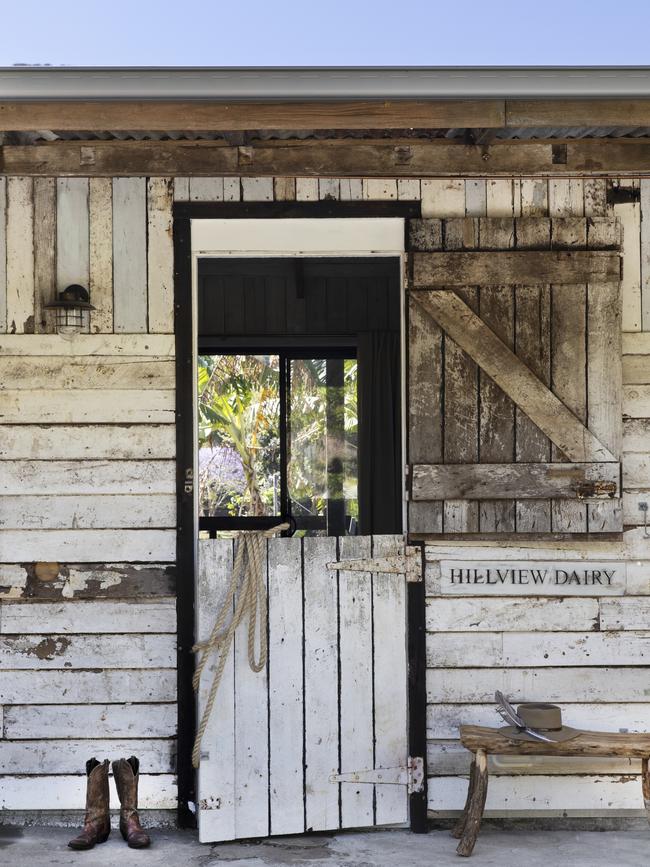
{"x": 251, "y": 600}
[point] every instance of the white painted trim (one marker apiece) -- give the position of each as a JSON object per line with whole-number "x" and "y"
{"x": 348, "y": 236}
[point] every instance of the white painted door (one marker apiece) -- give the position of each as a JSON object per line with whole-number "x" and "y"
{"x": 332, "y": 700}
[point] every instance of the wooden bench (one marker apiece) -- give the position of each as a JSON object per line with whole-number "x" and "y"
{"x": 482, "y": 742}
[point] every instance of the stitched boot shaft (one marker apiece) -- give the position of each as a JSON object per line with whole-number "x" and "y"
{"x": 97, "y": 823}
{"x": 125, "y": 772}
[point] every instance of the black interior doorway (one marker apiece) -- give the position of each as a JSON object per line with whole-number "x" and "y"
{"x": 340, "y": 316}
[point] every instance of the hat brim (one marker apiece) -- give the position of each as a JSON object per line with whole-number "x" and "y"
{"x": 566, "y": 733}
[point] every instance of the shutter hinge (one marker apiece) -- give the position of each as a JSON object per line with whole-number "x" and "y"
{"x": 407, "y": 562}
{"x": 410, "y": 775}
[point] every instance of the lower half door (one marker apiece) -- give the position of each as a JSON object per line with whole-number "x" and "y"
{"x": 330, "y": 704}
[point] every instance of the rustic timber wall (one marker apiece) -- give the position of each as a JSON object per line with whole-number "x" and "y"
{"x": 87, "y": 508}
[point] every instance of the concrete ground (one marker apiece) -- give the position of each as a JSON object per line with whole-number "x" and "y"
{"x": 44, "y": 847}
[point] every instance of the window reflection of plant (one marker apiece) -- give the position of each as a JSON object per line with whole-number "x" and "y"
{"x": 239, "y": 415}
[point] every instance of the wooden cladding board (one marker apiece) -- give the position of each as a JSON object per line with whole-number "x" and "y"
{"x": 516, "y": 268}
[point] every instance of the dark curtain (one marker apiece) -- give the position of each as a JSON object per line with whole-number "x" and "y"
{"x": 379, "y": 445}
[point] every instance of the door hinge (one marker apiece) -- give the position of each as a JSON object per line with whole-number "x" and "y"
{"x": 410, "y": 775}
{"x": 407, "y": 562}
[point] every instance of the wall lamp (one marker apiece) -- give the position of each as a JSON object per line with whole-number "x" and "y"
{"x": 72, "y": 309}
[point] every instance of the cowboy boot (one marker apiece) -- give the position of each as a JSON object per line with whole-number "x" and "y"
{"x": 97, "y": 823}
{"x": 125, "y": 772}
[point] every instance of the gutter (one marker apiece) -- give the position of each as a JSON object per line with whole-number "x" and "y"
{"x": 25, "y": 83}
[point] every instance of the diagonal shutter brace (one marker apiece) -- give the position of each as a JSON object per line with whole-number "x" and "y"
{"x": 408, "y": 562}
{"x": 410, "y": 775}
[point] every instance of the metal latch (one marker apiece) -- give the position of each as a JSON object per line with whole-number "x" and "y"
{"x": 407, "y": 562}
{"x": 410, "y": 775}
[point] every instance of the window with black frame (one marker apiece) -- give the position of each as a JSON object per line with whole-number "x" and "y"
{"x": 278, "y": 437}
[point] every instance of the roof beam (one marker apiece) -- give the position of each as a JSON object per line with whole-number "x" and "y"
{"x": 333, "y": 158}
{"x": 214, "y": 116}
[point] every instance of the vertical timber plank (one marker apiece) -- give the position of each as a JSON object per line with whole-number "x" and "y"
{"x": 321, "y": 685}
{"x": 130, "y": 255}
{"x": 160, "y": 256}
{"x": 351, "y": 189}
{"x": 355, "y": 647}
{"x": 257, "y": 189}
{"x": 20, "y": 255}
{"x": 206, "y": 189}
{"x": 604, "y": 383}
{"x": 595, "y": 197}
{"x": 629, "y": 214}
{"x": 181, "y": 189}
{"x": 645, "y": 254}
{"x": 475, "y": 198}
{"x": 443, "y": 198}
{"x": 390, "y": 682}
{"x": 408, "y": 189}
{"x": 497, "y": 411}
{"x": 461, "y": 393}
{"x": 72, "y": 232}
{"x": 216, "y": 774}
{"x": 569, "y": 351}
{"x": 101, "y": 254}
{"x": 307, "y": 189}
{"x": 534, "y": 197}
{"x": 425, "y": 372}
{"x": 231, "y": 189}
{"x": 286, "y": 687}
{"x": 284, "y": 189}
{"x": 45, "y": 277}
{"x": 532, "y": 345}
{"x": 3, "y": 255}
{"x": 499, "y": 201}
{"x": 251, "y": 745}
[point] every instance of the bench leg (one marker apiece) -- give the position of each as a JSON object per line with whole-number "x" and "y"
{"x": 475, "y": 807}
{"x": 645, "y": 780}
{"x": 459, "y": 827}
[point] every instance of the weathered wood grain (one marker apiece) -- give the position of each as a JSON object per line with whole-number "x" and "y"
{"x": 510, "y": 615}
{"x": 514, "y": 267}
{"x": 52, "y": 721}
{"x": 87, "y": 372}
{"x": 88, "y": 477}
{"x": 91, "y": 442}
{"x": 72, "y": 232}
{"x": 444, "y": 720}
{"x": 101, "y": 512}
{"x": 527, "y": 649}
{"x": 160, "y": 255}
{"x": 20, "y": 256}
{"x": 424, "y": 408}
{"x": 636, "y": 401}
{"x": 87, "y": 406}
{"x": 636, "y": 368}
{"x": 45, "y": 252}
{"x": 623, "y": 614}
{"x": 504, "y": 481}
{"x": 589, "y": 743}
{"x": 510, "y": 374}
{"x": 79, "y": 617}
{"x": 63, "y": 792}
{"x": 86, "y": 651}
{"x": 62, "y": 686}
{"x": 443, "y": 198}
{"x": 89, "y": 344}
{"x": 130, "y": 255}
{"x": 543, "y": 794}
{"x": 257, "y": 189}
{"x": 3, "y": 255}
{"x": 468, "y": 685}
{"x": 206, "y": 189}
{"x": 57, "y": 581}
{"x": 88, "y": 546}
{"x": 629, "y": 214}
{"x": 157, "y": 756}
{"x": 451, "y": 758}
{"x": 100, "y": 208}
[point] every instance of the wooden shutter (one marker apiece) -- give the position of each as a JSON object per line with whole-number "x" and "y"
{"x": 514, "y": 376}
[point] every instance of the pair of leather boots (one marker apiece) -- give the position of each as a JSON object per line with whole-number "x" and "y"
{"x": 97, "y": 823}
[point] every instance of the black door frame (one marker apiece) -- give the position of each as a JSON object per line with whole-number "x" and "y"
{"x": 183, "y": 214}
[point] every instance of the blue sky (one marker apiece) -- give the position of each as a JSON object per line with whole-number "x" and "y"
{"x": 330, "y": 32}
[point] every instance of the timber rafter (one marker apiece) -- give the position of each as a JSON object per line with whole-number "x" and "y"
{"x": 332, "y": 158}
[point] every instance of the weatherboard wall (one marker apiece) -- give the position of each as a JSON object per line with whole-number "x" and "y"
{"x": 88, "y": 516}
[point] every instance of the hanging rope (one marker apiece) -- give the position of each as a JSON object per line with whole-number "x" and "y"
{"x": 247, "y": 592}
